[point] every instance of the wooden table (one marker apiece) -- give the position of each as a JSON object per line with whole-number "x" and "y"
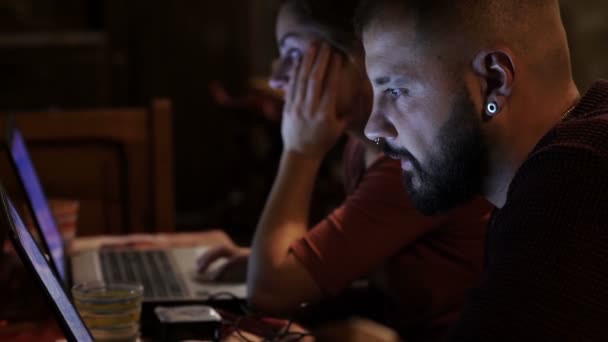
{"x": 207, "y": 238}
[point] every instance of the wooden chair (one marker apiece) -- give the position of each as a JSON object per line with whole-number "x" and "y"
{"x": 117, "y": 162}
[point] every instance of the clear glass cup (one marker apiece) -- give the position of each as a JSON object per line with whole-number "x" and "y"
{"x": 110, "y": 311}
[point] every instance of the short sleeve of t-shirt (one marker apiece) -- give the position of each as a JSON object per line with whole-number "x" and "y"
{"x": 373, "y": 224}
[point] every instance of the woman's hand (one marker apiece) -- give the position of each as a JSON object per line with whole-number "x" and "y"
{"x": 227, "y": 263}
{"x": 311, "y": 124}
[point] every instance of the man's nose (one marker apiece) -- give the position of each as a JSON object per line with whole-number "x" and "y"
{"x": 379, "y": 126}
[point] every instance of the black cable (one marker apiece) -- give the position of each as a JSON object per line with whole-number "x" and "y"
{"x": 238, "y": 331}
{"x": 295, "y": 337}
{"x": 270, "y": 335}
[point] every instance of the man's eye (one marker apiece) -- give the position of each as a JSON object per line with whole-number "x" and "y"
{"x": 294, "y": 54}
{"x": 396, "y": 93}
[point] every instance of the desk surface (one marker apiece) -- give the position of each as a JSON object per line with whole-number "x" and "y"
{"x": 45, "y": 330}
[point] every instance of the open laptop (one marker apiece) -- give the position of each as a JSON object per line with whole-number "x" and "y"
{"x": 168, "y": 274}
{"x": 32, "y": 257}
{"x": 3, "y": 235}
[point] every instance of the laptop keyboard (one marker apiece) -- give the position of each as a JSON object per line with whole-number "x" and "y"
{"x": 151, "y": 268}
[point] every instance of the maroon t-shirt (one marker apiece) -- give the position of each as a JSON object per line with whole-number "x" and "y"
{"x": 423, "y": 265}
{"x": 546, "y": 277}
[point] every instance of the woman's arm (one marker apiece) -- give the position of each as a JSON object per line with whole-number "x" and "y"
{"x": 277, "y": 282}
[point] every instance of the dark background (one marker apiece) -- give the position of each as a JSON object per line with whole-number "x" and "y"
{"x": 91, "y": 53}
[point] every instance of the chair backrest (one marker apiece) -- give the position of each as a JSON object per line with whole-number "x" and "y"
{"x": 117, "y": 162}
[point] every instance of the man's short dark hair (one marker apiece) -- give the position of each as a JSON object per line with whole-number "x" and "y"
{"x": 479, "y": 19}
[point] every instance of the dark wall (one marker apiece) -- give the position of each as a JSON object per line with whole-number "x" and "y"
{"x": 29, "y": 15}
{"x": 75, "y": 53}
{"x": 587, "y": 26}
{"x": 176, "y": 49}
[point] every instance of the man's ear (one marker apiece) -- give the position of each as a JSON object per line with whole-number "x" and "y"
{"x": 496, "y": 71}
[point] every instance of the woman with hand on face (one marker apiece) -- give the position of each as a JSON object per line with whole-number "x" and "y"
{"x": 422, "y": 265}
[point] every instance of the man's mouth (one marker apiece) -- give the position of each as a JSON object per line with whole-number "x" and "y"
{"x": 407, "y": 160}
{"x": 391, "y": 151}
{"x": 393, "y": 155}
{"x": 407, "y": 165}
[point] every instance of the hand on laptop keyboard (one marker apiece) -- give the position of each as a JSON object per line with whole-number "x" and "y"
{"x": 225, "y": 264}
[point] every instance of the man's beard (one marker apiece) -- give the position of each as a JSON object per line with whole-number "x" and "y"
{"x": 453, "y": 174}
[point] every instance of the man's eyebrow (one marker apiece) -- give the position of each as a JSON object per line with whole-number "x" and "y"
{"x": 382, "y": 80}
{"x": 396, "y": 81}
{"x": 287, "y": 36}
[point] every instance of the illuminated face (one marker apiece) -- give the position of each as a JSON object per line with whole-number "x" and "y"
{"x": 424, "y": 116}
{"x": 295, "y": 39}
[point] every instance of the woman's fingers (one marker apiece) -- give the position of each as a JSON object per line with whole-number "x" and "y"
{"x": 313, "y": 125}
{"x": 212, "y": 255}
{"x": 301, "y": 79}
{"x": 316, "y": 81}
{"x": 234, "y": 270}
{"x": 329, "y": 96}
{"x": 329, "y": 101}
{"x": 290, "y": 94}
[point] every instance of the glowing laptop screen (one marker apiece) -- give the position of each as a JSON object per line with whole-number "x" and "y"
{"x": 41, "y": 266}
{"x": 41, "y": 210}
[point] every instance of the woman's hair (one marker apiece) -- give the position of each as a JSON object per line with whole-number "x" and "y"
{"x": 333, "y": 20}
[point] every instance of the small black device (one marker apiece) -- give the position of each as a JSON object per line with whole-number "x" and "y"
{"x": 191, "y": 322}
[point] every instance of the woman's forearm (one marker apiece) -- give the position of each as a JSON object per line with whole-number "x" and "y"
{"x": 272, "y": 269}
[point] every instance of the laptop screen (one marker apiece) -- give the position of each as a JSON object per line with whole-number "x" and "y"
{"x": 2, "y": 239}
{"x": 39, "y": 206}
{"x": 65, "y": 308}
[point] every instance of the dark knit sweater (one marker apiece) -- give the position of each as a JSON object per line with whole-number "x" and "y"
{"x": 546, "y": 275}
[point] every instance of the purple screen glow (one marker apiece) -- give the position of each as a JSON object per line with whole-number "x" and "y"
{"x": 35, "y": 194}
{"x": 51, "y": 283}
